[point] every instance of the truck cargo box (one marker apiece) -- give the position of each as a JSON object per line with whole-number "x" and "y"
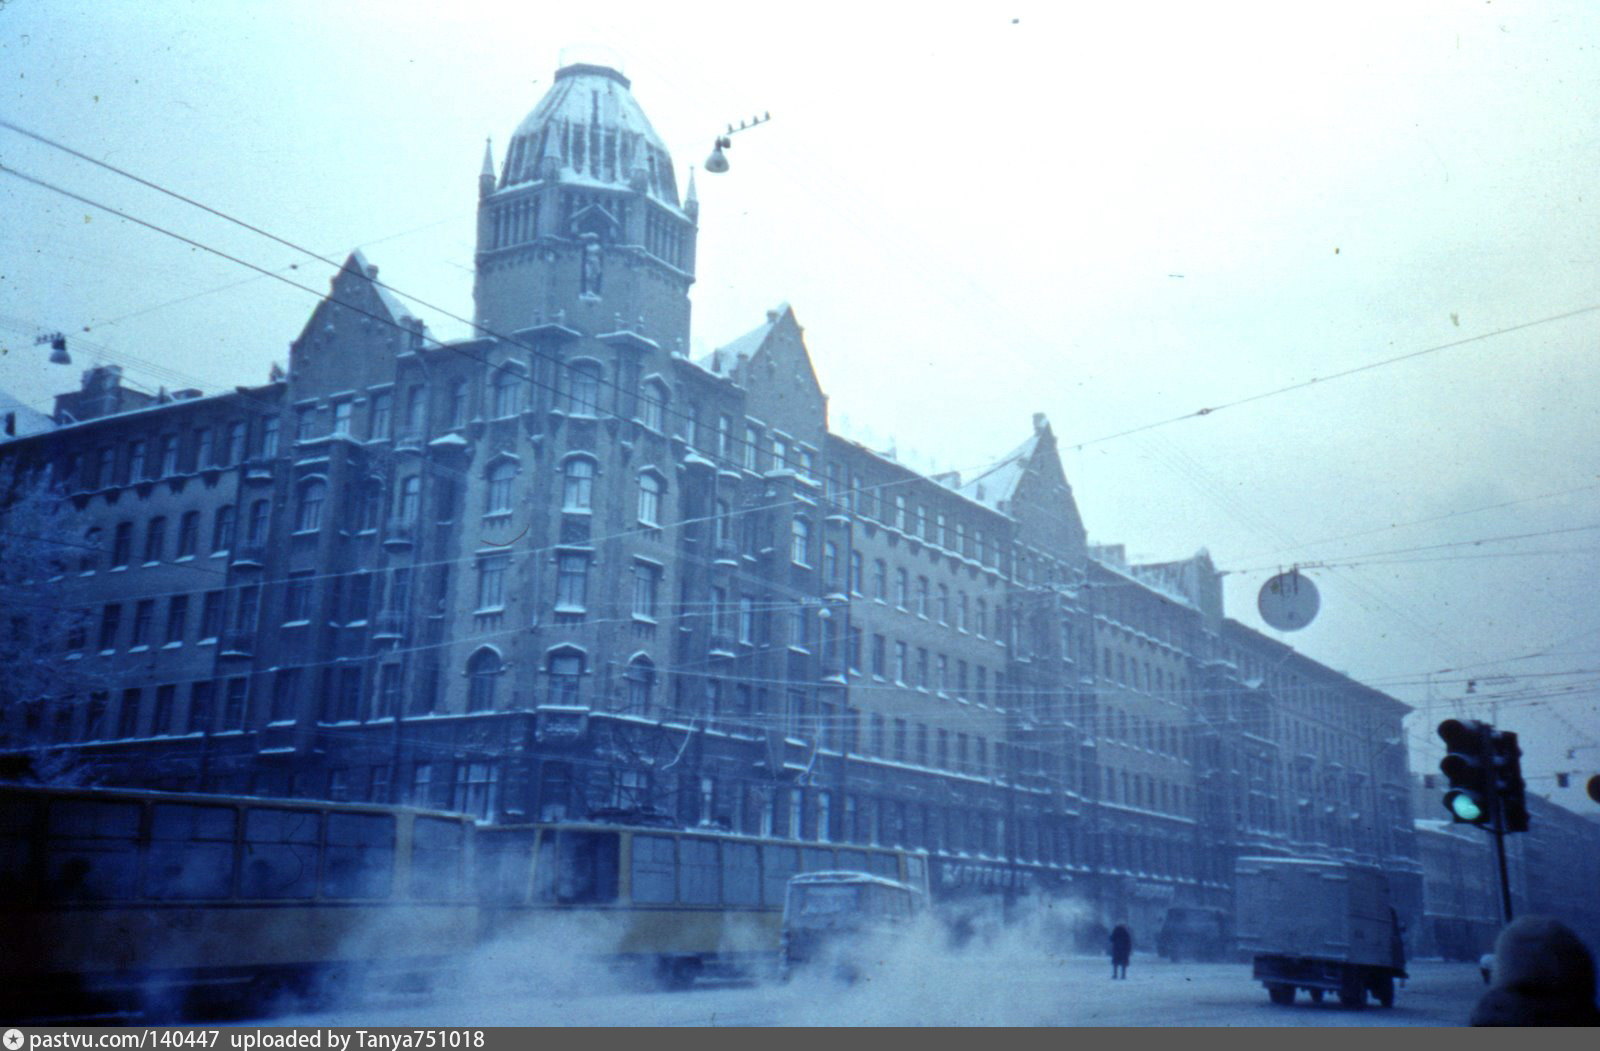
{"x": 1314, "y": 909}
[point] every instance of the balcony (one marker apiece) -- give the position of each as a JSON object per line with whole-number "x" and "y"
{"x": 237, "y": 643}
{"x": 400, "y": 536}
{"x": 726, "y": 553}
{"x": 722, "y": 644}
{"x": 389, "y": 625}
{"x": 250, "y": 555}
{"x": 409, "y": 439}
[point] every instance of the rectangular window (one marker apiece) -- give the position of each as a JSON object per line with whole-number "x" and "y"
{"x": 747, "y": 620}
{"x": 177, "y": 618}
{"x": 880, "y": 580}
{"x": 122, "y": 544}
{"x": 200, "y": 695}
{"x": 143, "y": 613}
{"x": 381, "y": 415}
{"x": 646, "y": 584}
{"x": 752, "y": 446}
{"x": 297, "y": 597}
{"x": 654, "y": 869}
{"x": 128, "y": 713}
{"x": 879, "y": 656}
{"x": 211, "y": 615}
{"x": 166, "y": 700}
{"x": 900, "y": 661}
{"x": 234, "y": 707}
{"x": 136, "y": 462}
{"x": 856, "y": 571}
{"x": 269, "y": 437}
{"x": 110, "y": 621}
{"x": 285, "y": 690}
{"x": 572, "y": 582}
{"x": 492, "y": 581}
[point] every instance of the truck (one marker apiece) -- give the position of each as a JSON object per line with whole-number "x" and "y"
{"x": 1321, "y": 926}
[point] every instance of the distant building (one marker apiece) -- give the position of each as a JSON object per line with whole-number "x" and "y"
{"x": 562, "y": 567}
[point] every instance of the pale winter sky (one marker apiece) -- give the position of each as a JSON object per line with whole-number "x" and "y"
{"x": 1112, "y": 217}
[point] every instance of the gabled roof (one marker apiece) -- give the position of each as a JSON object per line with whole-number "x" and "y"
{"x": 19, "y": 421}
{"x": 997, "y": 484}
{"x": 722, "y": 361}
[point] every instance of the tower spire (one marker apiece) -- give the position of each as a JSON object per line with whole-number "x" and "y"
{"x": 486, "y": 176}
{"x": 691, "y": 199}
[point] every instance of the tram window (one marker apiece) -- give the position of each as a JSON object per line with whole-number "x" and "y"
{"x": 92, "y": 850}
{"x": 502, "y": 864}
{"x": 853, "y": 860}
{"x": 280, "y": 853}
{"x": 191, "y": 852}
{"x": 436, "y": 852}
{"x": 741, "y": 874}
{"x": 697, "y": 871}
{"x": 17, "y": 819}
{"x": 777, "y": 865}
{"x": 815, "y": 859}
{"x": 588, "y": 867}
{"x": 916, "y": 871}
{"x": 653, "y": 864}
{"x": 358, "y": 861}
{"x": 884, "y": 865}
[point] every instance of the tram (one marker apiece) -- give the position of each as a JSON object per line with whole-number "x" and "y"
{"x": 121, "y": 901}
{"x": 116, "y": 900}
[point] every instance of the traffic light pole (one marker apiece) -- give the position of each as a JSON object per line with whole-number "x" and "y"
{"x": 1499, "y": 833}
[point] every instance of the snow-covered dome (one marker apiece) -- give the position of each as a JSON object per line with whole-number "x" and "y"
{"x": 589, "y": 130}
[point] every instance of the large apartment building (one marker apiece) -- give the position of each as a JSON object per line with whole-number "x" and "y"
{"x": 562, "y": 568}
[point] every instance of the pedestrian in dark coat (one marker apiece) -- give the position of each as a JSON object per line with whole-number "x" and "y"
{"x": 1543, "y": 974}
{"x": 1121, "y": 950}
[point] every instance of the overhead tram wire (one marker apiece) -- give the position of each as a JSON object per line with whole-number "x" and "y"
{"x": 1313, "y": 381}
{"x": 733, "y": 440}
{"x": 474, "y": 326}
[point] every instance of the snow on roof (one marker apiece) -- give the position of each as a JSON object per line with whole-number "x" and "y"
{"x": 997, "y": 484}
{"x": 19, "y": 421}
{"x": 720, "y": 362}
{"x": 391, "y": 302}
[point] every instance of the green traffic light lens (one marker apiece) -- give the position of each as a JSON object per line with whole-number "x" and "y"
{"x": 1464, "y": 807}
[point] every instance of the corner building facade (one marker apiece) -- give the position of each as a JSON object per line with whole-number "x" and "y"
{"x": 562, "y": 569}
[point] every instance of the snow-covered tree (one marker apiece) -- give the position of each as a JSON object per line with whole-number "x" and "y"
{"x": 38, "y": 626}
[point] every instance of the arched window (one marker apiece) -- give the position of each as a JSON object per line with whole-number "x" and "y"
{"x": 308, "y": 516}
{"x": 583, "y": 388}
{"x": 565, "y": 670}
{"x": 498, "y": 498}
{"x": 641, "y": 684}
{"x": 507, "y": 392}
{"x": 483, "y": 675}
{"x": 652, "y": 405}
{"x": 577, "y": 486}
{"x": 222, "y": 529}
{"x": 649, "y": 500}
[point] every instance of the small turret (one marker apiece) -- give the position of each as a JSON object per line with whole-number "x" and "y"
{"x": 691, "y": 199}
{"x": 486, "y": 176}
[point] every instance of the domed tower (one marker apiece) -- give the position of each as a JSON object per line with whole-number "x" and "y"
{"x": 584, "y": 224}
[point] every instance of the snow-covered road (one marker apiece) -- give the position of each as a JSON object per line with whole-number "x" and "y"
{"x": 972, "y": 989}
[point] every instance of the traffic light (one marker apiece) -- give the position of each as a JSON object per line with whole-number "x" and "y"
{"x": 1468, "y": 767}
{"x": 1506, "y": 759}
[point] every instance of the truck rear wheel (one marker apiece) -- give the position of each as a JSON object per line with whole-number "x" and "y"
{"x": 1316, "y": 995}
{"x": 1353, "y": 992}
{"x": 1281, "y": 994}
{"x": 1383, "y": 990}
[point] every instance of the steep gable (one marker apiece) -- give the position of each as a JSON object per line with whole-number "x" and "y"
{"x": 773, "y": 366}
{"x": 353, "y": 335}
{"x": 1030, "y": 485}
